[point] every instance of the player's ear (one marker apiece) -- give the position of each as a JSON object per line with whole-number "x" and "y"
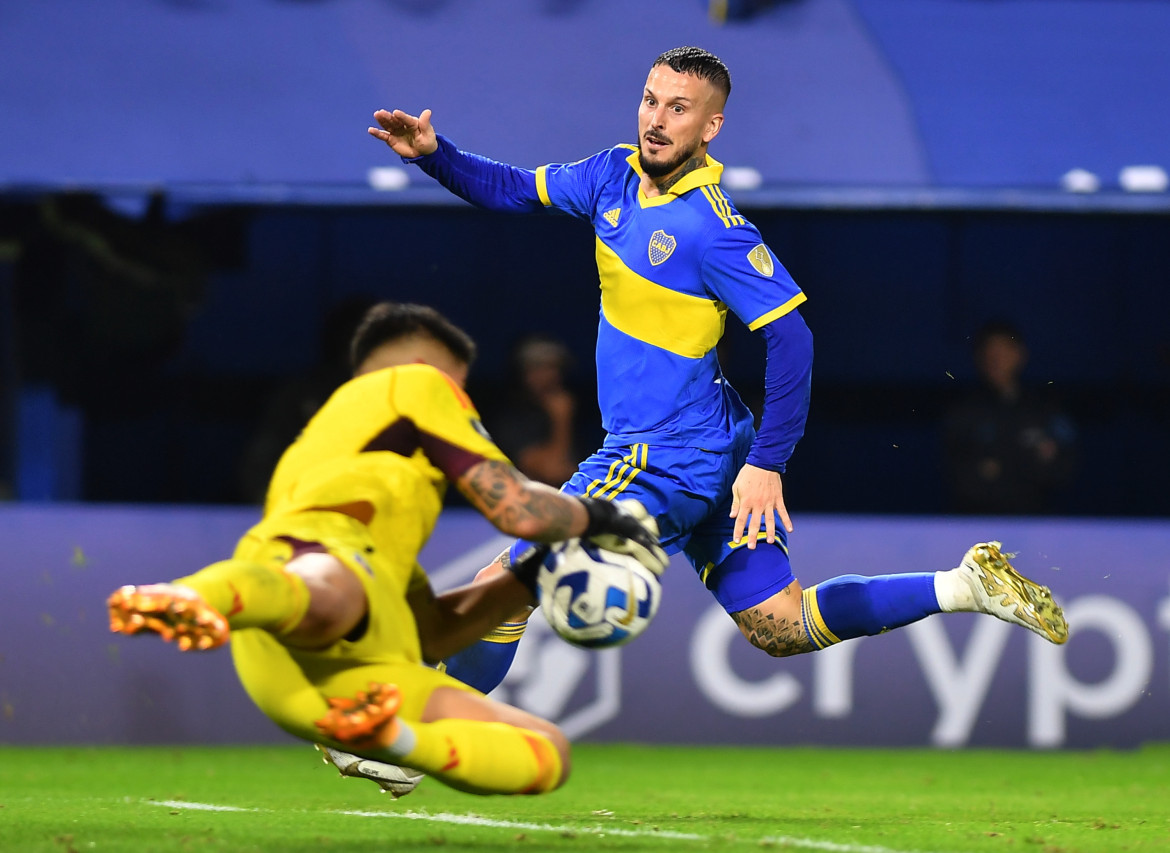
{"x": 714, "y": 125}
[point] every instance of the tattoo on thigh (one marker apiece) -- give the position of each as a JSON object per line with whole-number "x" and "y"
{"x": 778, "y": 637}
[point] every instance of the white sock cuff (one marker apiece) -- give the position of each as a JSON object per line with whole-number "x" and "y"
{"x": 953, "y": 592}
{"x": 404, "y": 744}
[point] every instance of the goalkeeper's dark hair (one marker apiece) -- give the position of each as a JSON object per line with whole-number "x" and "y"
{"x": 700, "y": 63}
{"x": 391, "y": 321}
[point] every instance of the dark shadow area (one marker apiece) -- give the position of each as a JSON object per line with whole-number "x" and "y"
{"x": 174, "y": 338}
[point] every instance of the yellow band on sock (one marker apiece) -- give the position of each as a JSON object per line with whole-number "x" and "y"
{"x": 814, "y": 624}
{"x": 509, "y": 632}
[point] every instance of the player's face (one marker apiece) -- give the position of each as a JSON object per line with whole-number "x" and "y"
{"x": 680, "y": 114}
{"x": 417, "y": 349}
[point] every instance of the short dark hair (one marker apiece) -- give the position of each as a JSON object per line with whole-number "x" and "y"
{"x": 390, "y": 321}
{"x": 700, "y": 63}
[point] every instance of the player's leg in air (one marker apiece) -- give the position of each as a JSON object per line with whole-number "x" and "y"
{"x": 294, "y": 614}
{"x": 757, "y": 588}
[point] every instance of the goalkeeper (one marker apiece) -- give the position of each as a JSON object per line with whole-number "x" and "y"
{"x": 674, "y": 255}
{"x": 330, "y": 615}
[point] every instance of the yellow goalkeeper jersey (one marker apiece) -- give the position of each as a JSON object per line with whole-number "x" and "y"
{"x": 383, "y": 447}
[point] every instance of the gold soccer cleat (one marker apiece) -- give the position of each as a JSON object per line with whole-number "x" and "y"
{"x": 1003, "y": 592}
{"x": 175, "y": 613}
{"x": 365, "y": 720}
{"x": 392, "y": 779}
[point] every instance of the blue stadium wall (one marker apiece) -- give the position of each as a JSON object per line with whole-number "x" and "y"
{"x": 881, "y": 93}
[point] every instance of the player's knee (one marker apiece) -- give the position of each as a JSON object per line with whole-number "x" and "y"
{"x": 337, "y": 600}
{"x": 776, "y": 626}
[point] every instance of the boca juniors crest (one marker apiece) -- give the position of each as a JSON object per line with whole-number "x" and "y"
{"x": 661, "y": 247}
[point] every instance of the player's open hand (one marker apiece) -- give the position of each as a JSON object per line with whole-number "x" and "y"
{"x": 409, "y": 136}
{"x": 757, "y": 496}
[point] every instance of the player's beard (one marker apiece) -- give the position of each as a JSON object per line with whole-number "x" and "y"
{"x": 662, "y": 168}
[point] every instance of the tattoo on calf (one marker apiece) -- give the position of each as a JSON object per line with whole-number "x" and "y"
{"x": 778, "y": 637}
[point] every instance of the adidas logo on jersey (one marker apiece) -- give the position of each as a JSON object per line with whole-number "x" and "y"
{"x": 611, "y": 216}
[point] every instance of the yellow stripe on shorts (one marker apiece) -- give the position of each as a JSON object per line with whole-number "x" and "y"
{"x": 618, "y": 478}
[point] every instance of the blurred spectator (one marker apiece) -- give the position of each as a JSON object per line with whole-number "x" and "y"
{"x": 294, "y": 401}
{"x": 534, "y": 421}
{"x": 1010, "y": 448}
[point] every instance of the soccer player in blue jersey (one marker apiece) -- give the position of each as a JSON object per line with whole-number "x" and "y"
{"x": 673, "y": 256}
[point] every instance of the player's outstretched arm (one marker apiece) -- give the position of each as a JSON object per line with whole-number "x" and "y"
{"x": 539, "y": 513}
{"x": 458, "y": 618}
{"x": 407, "y": 135}
{"x": 521, "y": 507}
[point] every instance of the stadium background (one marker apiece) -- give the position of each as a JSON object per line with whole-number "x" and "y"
{"x": 186, "y": 192}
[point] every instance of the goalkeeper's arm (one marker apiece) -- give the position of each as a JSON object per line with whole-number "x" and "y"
{"x": 450, "y": 622}
{"x": 529, "y": 510}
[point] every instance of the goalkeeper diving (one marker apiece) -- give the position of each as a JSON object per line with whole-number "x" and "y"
{"x": 331, "y": 618}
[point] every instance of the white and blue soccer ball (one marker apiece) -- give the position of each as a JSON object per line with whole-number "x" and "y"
{"x": 595, "y": 598}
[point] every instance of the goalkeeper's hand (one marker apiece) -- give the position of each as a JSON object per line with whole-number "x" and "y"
{"x": 627, "y": 528}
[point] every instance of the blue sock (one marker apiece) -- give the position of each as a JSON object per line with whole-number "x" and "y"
{"x": 854, "y": 606}
{"x": 484, "y": 665}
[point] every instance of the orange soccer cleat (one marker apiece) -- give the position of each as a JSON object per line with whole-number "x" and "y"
{"x": 365, "y": 720}
{"x": 175, "y": 613}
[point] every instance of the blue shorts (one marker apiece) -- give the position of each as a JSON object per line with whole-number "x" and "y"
{"x": 689, "y": 492}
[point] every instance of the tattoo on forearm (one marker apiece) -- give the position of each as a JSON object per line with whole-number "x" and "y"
{"x": 509, "y": 500}
{"x": 552, "y": 508}
{"x": 489, "y": 483}
{"x": 778, "y": 637}
{"x": 690, "y": 166}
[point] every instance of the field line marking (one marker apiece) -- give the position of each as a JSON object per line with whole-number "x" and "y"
{"x": 198, "y": 807}
{"x": 471, "y": 819}
{"x": 476, "y": 820}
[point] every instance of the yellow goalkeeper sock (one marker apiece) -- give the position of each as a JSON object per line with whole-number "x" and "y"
{"x": 480, "y": 757}
{"x": 252, "y": 595}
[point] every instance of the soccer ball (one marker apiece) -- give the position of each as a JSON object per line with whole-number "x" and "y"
{"x": 596, "y": 598}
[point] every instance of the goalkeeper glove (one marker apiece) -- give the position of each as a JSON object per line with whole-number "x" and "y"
{"x": 526, "y": 566}
{"x": 627, "y": 528}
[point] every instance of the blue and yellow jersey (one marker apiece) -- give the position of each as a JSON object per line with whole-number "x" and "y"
{"x": 386, "y": 441}
{"x": 670, "y": 268}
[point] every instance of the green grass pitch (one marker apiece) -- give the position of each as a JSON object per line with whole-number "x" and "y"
{"x": 622, "y": 798}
